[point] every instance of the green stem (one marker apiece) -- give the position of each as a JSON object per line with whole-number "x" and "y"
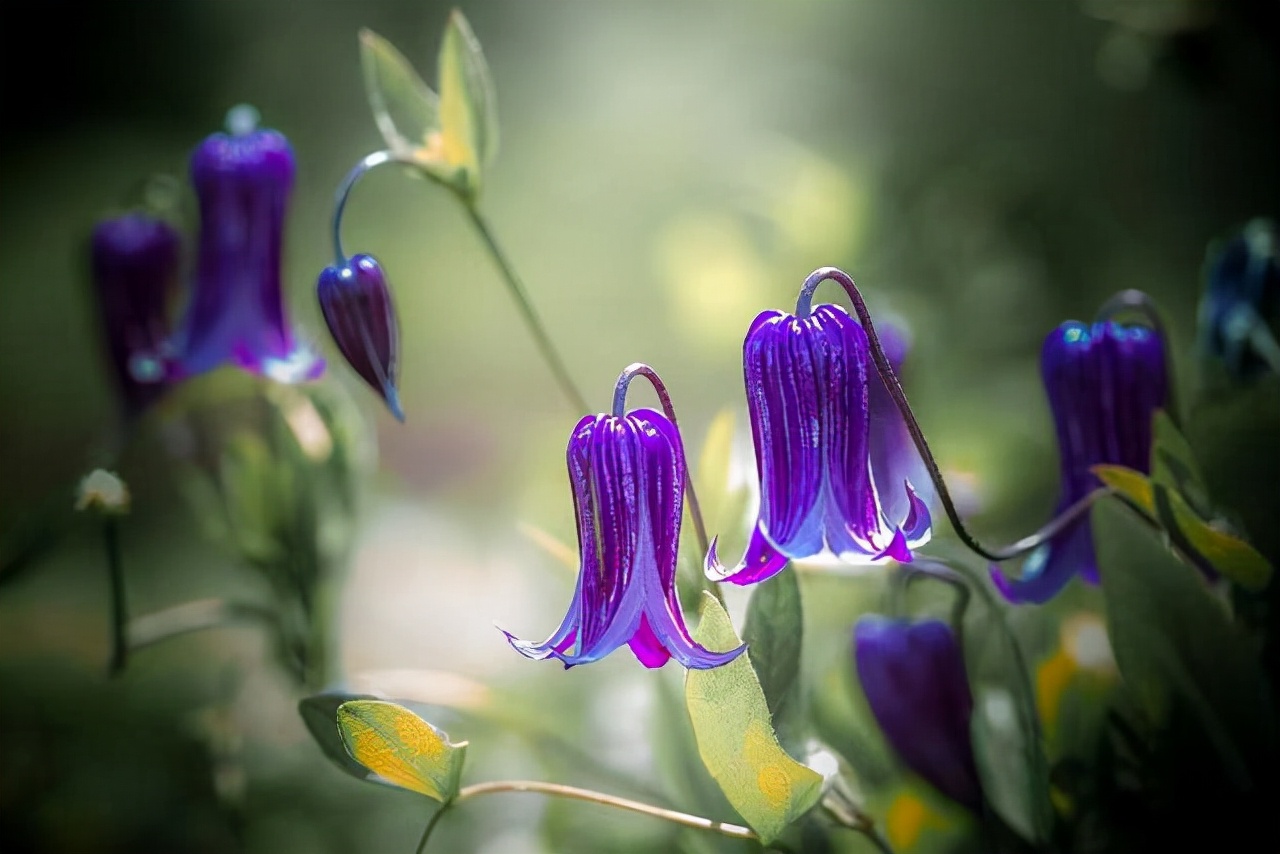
{"x": 119, "y": 607}
{"x": 521, "y": 297}
{"x": 431, "y": 825}
{"x": 193, "y": 617}
{"x": 556, "y": 790}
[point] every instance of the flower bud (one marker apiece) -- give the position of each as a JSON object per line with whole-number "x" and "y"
{"x": 358, "y": 308}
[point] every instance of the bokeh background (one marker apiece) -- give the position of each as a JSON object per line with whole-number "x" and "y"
{"x": 984, "y": 169}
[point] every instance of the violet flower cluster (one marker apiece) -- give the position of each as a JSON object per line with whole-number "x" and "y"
{"x": 235, "y": 309}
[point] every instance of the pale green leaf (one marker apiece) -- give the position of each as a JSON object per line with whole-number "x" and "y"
{"x": 1228, "y": 555}
{"x": 404, "y": 108}
{"x": 320, "y": 713}
{"x": 730, "y": 718}
{"x": 468, "y": 113}
{"x": 1011, "y": 764}
{"x": 401, "y": 748}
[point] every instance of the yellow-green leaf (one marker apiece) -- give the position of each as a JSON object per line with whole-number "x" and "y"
{"x": 1174, "y": 465}
{"x": 1132, "y": 484}
{"x": 401, "y": 748}
{"x": 404, "y": 108}
{"x": 735, "y": 738}
{"x": 713, "y": 467}
{"x": 1226, "y": 554}
{"x": 468, "y": 114}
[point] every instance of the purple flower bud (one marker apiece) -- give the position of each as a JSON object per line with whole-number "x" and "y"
{"x": 913, "y": 675}
{"x": 628, "y": 475}
{"x": 237, "y": 313}
{"x": 357, "y": 307}
{"x": 1104, "y": 384}
{"x": 135, "y": 260}
{"x": 809, "y": 395}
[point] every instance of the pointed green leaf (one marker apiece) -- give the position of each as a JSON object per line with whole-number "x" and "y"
{"x": 401, "y": 748}
{"x": 1219, "y": 550}
{"x": 468, "y": 108}
{"x": 1174, "y": 465}
{"x": 730, "y": 718}
{"x": 404, "y": 108}
{"x": 1012, "y": 766}
{"x": 773, "y": 632}
{"x": 320, "y": 713}
{"x": 1173, "y": 640}
{"x": 1133, "y": 485}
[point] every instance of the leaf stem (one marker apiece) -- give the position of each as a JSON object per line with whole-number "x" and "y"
{"x": 536, "y": 328}
{"x": 557, "y": 790}
{"x": 431, "y": 825}
{"x": 119, "y": 606}
{"x": 193, "y": 617}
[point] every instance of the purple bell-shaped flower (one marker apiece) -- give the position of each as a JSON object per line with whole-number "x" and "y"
{"x": 914, "y": 678}
{"x": 825, "y": 484}
{"x": 135, "y": 260}
{"x": 237, "y": 313}
{"x": 627, "y": 470}
{"x": 1104, "y": 383}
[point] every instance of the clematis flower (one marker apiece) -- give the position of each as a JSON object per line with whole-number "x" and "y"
{"x": 1241, "y": 299}
{"x": 914, "y": 678}
{"x": 894, "y": 458}
{"x": 825, "y": 483}
{"x": 1104, "y": 383}
{"x": 361, "y": 316}
{"x": 135, "y": 260}
{"x": 236, "y": 313}
{"x": 628, "y": 473}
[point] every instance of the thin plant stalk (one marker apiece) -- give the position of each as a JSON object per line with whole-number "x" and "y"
{"x": 119, "y": 606}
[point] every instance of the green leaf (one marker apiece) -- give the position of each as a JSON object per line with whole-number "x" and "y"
{"x": 1174, "y": 641}
{"x": 401, "y": 748}
{"x": 1173, "y": 464}
{"x": 1200, "y": 542}
{"x": 1012, "y": 766}
{"x": 405, "y": 109}
{"x": 730, "y": 718}
{"x": 773, "y": 633}
{"x": 320, "y": 713}
{"x": 468, "y": 108}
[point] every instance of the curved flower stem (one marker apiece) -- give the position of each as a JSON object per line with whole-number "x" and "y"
{"x": 921, "y": 569}
{"x": 557, "y": 790}
{"x": 431, "y": 825}
{"x": 539, "y": 332}
{"x": 512, "y": 280}
{"x": 890, "y": 379}
{"x": 119, "y": 606}
{"x": 639, "y": 369}
{"x": 1137, "y": 302}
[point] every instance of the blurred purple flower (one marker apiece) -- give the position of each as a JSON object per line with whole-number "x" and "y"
{"x": 914, "y": 678}
{"x": 1104, "y": 384}
{"x": 236, "y": 313}
{"x": 135, "y": 262}
{"x": 824, "y": 482}
{"x": 361, "y": 316}
{"x": 628, "y": 475}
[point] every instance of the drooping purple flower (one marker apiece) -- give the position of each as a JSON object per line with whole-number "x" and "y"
{"x": 1104, "y": 383}
{"x": 628, "y": 474}
{"x": 809, "y": 393}
{"x": 1240, "y": 307}
{"x": 236, "y": 313}
{"x": 914, "y": 678}
{"x": 357, "y": 306}
{"x": 135, "y": 260}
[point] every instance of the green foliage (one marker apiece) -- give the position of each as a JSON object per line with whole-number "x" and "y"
{"x": 774, "y": 633}
{"x": 1011, "y": 764}
{"x": 736, "y": 741}
{"x": 452, "y": 137}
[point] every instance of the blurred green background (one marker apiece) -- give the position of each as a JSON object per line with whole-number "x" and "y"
{"x": 984, "y": 169}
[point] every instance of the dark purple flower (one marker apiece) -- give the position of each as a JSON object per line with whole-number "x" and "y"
{"x": 809, "y": 394}
{"x": 237, "y": 313}
{"x": 357, "y": 307}
{"x": 1241, "y": 299}
{"x": 135, "y": 261}
{"x": 628, "y": 475}
{"x": 1104, "y": 384}
{"x": 913, "y": 675}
